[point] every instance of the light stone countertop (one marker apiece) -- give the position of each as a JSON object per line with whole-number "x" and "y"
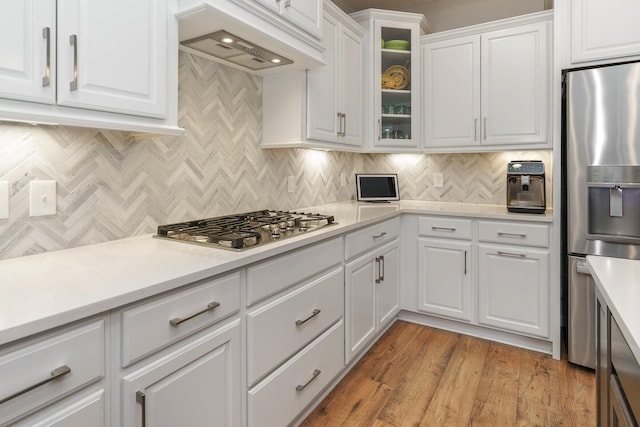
{"x": 618, "y": 280}
{"x": 47, "y": 290}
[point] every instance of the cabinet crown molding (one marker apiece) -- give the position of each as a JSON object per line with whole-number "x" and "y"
{"x": 530, "y": 18}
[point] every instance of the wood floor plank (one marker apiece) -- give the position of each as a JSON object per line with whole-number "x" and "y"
{"x": 578, "y": 395}
{"x": 411, "y": 398}
{"x": 453, "y": 401}
{"x": 417, "y": 375}
{"x": 496, "y": 402}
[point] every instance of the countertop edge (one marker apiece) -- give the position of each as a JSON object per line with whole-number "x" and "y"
{"x": 101, "y": 305}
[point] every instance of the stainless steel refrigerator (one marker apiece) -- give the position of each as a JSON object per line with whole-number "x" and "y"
{"x": 601, "y": 186}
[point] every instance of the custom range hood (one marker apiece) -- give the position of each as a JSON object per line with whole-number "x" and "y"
{"x": 244, "y": 35}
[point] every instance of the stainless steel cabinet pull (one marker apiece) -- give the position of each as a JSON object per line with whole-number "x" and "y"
{"x": 382, "y": 264}
{"x": 339, "y": 133}
{"x": 287, "y": 3}
{"x": 379, "y": 129}
{"x": 485, "y": 128}
{"x": 46, "y": 34}
{"x": 511, "y": 254}
{"x": 313, "y": 314}
{"x": 56, "y": 373}
{"x": 443, "y": 229}
{"x": 465, "y": 262}
{"x": 141, "y": 398}
{"x": 378, "y": 278}
{"x": 344, "y": 124}
{"x": 177, "y": 321}
{"x": 316, "y": 372}
{"x": 500, "y": 233}
{"x": 73, "y": 40}
{"x": 377, "y": 236}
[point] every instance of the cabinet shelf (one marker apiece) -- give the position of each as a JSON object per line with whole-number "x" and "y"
{"x": 396, "y": 52}
{"x": 397, "y": 116}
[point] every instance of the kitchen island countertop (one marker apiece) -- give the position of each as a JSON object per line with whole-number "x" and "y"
{"x": 618, "y": 280}
{"x": 47, "y": 290}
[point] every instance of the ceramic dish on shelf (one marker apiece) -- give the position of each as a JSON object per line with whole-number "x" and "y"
{"x": 397, "y": 77}
{"x": 397, "y": 44}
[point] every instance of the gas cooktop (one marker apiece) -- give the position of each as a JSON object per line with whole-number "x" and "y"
{"x": 242, "y": 231}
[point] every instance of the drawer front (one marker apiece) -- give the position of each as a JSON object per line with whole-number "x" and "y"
{"x": 158, "y": 323}
{"x": 368, "y": 238}
{"x": 81, "y": 350}
{"x": 83, "y": 410}
{"x": 452, "y": 228}
{"x": 284, "y": 394}
{"x": 270, "y": 277}
{"x": 282, "y": 327}
{"x": 514, "y": 233}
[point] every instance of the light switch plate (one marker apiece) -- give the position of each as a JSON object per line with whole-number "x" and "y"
{"x": 343, "y": 179}
{"x": 42, "y": 198}
{"x": 4, "y": 199}
{"x": 291, "y": 184}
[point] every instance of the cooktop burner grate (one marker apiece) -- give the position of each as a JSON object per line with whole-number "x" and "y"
{"x": 241, "y": 231}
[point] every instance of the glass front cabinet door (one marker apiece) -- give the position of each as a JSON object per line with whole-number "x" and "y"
{"x": 392, "y": 94}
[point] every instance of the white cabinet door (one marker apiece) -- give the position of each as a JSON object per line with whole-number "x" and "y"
{"x": 444, "y": 278}
{"x": 322, "y": 87}
{"x": 513, "y": 288}
{"x": 602, "y": 29}
{"x": 27, "y": 40}
{"x": 452, "y": 92}
{"x": 360, "y": 294}
{"x": 515, "y": 85}
{"x": 197, "y": 385}
{"x": 306, "y": 14}
{"x": 112, "y": 56}
{"x": 350, "y": 87}
{"x": 387, "y": 292}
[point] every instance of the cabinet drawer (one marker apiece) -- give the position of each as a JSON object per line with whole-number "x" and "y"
{"x": 277, "y": 400}
{"x": 81, "y": 350}
{"x": 514, "y": 233}
{"x": 368, "y": 238}
{"x": 282, "y": 327}
{"x": 158, "y": 323}
{"x": 82, "y": 409}
{"x": 452, "y": 228}
{"x": 270, "y": 277}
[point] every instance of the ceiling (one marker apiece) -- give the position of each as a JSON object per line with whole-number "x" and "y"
{"x": 449, "y": 14}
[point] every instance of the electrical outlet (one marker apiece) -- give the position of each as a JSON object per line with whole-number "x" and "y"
{"x": 291, "y": 184}
{"x": 42, "y": 198}
{"x": 343, "y": 179}
{"x": 4, "y": 199}
{"x": 438, "y": 180}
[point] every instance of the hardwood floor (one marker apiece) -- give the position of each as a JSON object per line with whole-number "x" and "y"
{"x": 419, "y": 376}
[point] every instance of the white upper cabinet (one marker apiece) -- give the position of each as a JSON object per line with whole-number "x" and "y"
{"x": 488, "y": 88}
{"x": 320, "y": 107}
{"x": 604, "y": 29}
{"x": 77, "y": 62}
{"x": 392, "y": 79}
{"x": 452, "y": 92}
{"x": 515, "y": 85}
{"x": 27, "y": 43}
{"x": 334, "y": 91}
{"x": 305, "y": 14}
{"x": 112, "y": 56}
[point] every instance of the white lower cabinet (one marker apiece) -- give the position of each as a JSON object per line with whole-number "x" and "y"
{"x": 81, "y": 410}
{"x": 371, "y": 296}
{"x": 285, "y": 393}
{"x": 198, "y": 384}
{"x": 444, "y": 278}
{"x": 513, "y": 285}
{"x": 48, "y": 368}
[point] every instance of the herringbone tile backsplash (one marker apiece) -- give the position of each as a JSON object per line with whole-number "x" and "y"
{"x": 111, "y": 185}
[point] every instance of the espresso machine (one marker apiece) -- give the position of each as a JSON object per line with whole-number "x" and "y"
{"x": 525, "y": 186}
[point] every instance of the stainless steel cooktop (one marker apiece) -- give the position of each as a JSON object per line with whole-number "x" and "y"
{"x": 242, "y": 231}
